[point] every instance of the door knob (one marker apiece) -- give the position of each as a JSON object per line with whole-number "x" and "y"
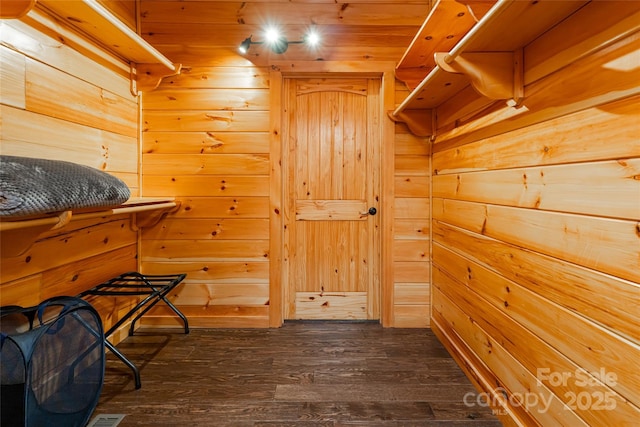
{"x": 371, "y": 211}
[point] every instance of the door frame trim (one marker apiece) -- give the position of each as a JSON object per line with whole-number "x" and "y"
{"x": 277, "y": 221}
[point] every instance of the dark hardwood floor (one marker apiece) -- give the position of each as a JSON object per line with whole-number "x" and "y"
{"x": 303, "y": 374}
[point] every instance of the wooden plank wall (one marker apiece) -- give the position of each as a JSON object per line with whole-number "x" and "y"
{"x": 206, "y": 141}
{"x": 536, "y": 241}
{"x": 220, "y": 172}
{"x": 412, "y": 215}
{"x": 58, "y": 104}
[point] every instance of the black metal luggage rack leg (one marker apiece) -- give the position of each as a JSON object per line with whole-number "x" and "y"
{"x": 154, "y": 288}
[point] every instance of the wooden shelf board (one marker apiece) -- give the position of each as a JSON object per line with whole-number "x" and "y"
{"x": 19, "y": 235}
{"x": 494, "y": 33}
{"x": 441, "y": 87}
{"x": 433, "y": 37}
{"x": 531, "y": 19}
{"x": 93, "y": 19}
{"x": 146, "y": 201}
{"x": 132, "y": 205}
{"x": 16, "y": 8}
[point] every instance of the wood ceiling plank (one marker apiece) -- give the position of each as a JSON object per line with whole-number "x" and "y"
{"x": 259, "y": 13}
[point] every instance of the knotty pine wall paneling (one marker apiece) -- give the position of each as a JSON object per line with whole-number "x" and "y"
{"x": 55, "y": 83}
{"x": 206, "y": 141}
{"x": 59, "y": 104}
{"x": 411, "y": 236}
{"x": 536, "y": 243}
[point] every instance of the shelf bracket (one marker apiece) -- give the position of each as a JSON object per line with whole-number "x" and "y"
{"x": 16, "y": 242}
{"x": 17, "y": 236}
{"x": 150, "y": 218}
{"x": 419, "y": 122}
{"x": 496, "y": 75}
{"x": 16, "y": 239}
{"x": 147, "y": 77}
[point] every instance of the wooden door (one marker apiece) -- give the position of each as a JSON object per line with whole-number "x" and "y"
{"x": 332, "y": 242}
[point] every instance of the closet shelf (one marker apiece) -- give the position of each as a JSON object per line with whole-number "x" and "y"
{"x": 19, "y": 235}
{"x": 488, "y": 56}
{"x": 16, "y": 8}
{"x": 434, "y": 37}
{"x": 98, "y": 24}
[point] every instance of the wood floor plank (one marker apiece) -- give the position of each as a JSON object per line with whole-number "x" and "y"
{"x": 305, "y": 374}
{"x": 369, "y": 392}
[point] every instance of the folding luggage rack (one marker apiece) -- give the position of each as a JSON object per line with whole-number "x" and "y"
{"x": 154, "y": 288}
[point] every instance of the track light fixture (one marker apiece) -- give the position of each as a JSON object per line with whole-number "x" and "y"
{"x": 244, "y": 46}
{"x": 278, "y": 42}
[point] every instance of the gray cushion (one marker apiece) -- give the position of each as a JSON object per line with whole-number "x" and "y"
{"x": 30, "y": 186}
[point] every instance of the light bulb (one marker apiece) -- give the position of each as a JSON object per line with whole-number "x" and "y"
{"x": 312, "y": 38}
{"x": 272, "y": 35}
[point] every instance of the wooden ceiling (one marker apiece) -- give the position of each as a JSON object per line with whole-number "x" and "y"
{"x": 207, "y": 32}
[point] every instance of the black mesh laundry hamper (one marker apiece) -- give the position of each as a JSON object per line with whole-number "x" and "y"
{"x": 52, "y": 362}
